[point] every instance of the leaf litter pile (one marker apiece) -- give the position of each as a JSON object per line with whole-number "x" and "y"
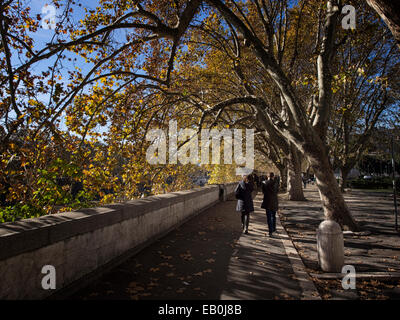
{"x": 370, "y": 289}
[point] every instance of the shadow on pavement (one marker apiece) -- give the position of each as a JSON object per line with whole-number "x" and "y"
{"x": 206, "y": 258}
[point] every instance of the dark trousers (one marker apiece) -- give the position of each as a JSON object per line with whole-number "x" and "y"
{"x": 271, "y": 220}
{"x": 245, "y": 219}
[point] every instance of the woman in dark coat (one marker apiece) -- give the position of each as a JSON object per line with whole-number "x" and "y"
{"x": 270, "y": 203}
{"x": 245, "y": 201}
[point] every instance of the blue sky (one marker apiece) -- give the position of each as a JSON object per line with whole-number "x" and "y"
{"x": 44, "y": 36}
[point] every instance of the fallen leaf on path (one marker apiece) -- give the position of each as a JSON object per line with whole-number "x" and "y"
{"x": 164, "y": 264}
{"x": 152, "y": 284}
{"x": 145, "y": 294}
{"x": 186, "y": 256}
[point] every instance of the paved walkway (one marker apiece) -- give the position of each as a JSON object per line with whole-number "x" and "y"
{"x": 374, "y": 252}
{"x": 375, "y": 249}
{"x": 210, "y": 258}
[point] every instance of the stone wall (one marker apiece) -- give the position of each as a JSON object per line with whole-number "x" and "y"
{"x": 81, "y": 243}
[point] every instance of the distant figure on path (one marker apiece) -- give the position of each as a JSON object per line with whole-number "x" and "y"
{"x": 256, "y": 180}
{"x": 270, "y": 203}
{"x": 253, "y": 180}
{"x": 245, "y": 201}
{"x": 303, "y": 177}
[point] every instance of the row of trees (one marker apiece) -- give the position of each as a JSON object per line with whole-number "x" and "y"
{"x": 80, "y": 104}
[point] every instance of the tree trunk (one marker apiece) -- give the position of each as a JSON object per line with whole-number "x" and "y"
{"x": 294, "y": 180}
{"x": 344, "y": 173}
{"x": 335, "y": 208}
{"x": 284, "y": 174}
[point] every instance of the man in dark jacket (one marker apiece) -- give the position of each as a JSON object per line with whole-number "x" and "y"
{"x": 245, "y": 201}
{"x": 270, "y": 203}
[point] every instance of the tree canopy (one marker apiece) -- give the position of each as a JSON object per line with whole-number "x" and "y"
{"x": 78, "y": 100}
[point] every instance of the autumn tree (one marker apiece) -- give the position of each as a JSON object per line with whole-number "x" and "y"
{"x": 365, "y": 90}
{"x": 225, "y": 76}
{"x": 69, "y": 120}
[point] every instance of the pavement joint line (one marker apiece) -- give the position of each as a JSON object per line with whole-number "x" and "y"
{"x": 360, "y": 275}
{"x": 309, "y": 291}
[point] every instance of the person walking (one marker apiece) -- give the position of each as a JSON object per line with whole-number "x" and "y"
{"x": 270, "y": 203}
{"x": 243, "y": 193}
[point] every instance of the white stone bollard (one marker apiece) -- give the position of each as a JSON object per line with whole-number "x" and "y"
{"x": 330, "y": 246}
